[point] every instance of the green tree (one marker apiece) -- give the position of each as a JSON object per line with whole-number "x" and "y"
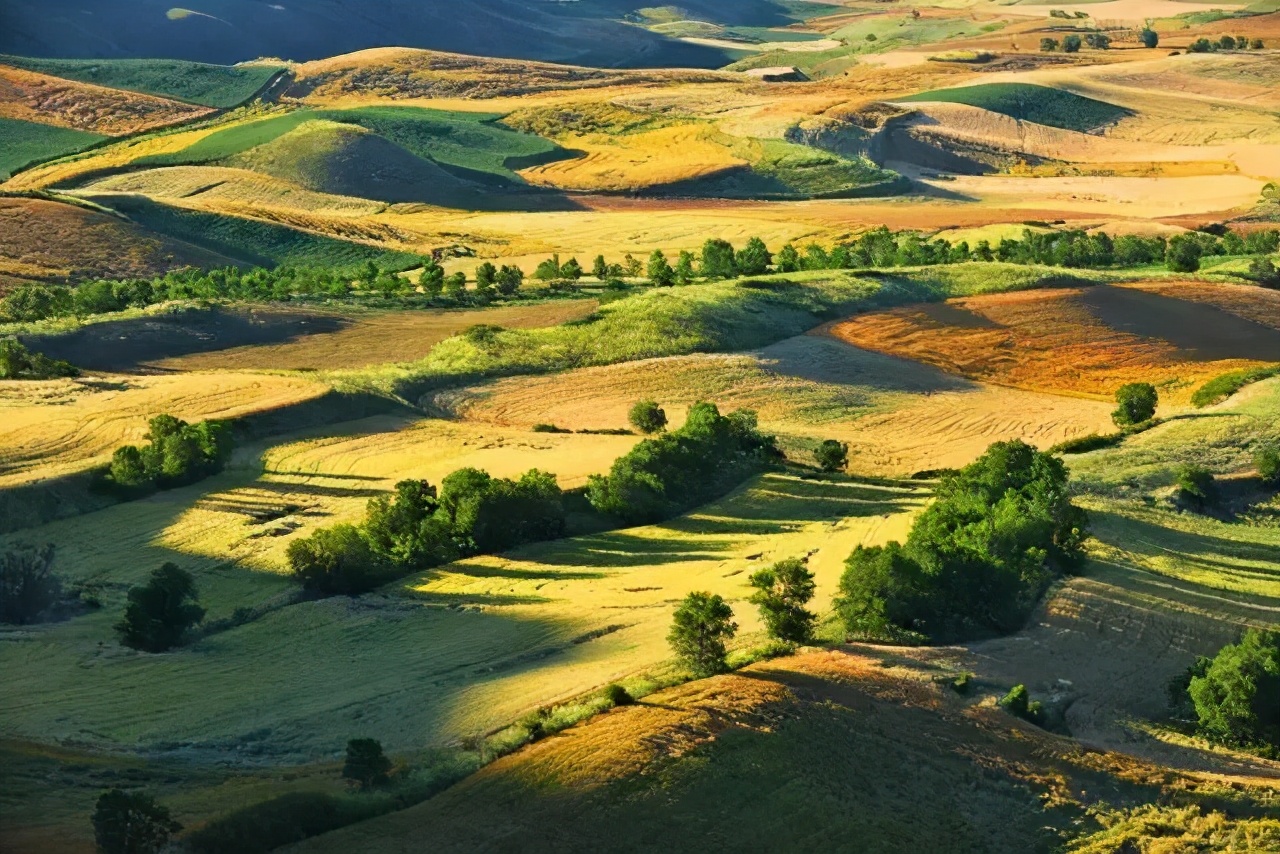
{"x": 405, "y": 528}
{"x": 1135, "y": 404}
{"x": 128, "y": 468}
{"x": 131, "y": 823}
{"x": 548, "y": 270}
{"x": 19, "y": 363}
{"x": 660, "y": 272}
{"x": 1098, "y": 41}
{"x": 28, "y": 587}
{"x": 718, "y": 259}
{"x": 486, "y": 275}
{"x": 1267, "y": 461}
{"x": 455, "y": 286}
{"x": 1018, "y": 703}
{"x": 684, "y": 267}
{"x": 648, "y": 417}
{"x": 754, "y": 258}
{"x": 336, "y": 561}
{"x": 571, "y": 270}
{"x": 701, "y": 625}
{"x": 831, "y": 456}
{"x": 782, "y": 591}
{"x": 631, "y": 265}
{"x": 1048, "y": 45}
{"x": 1149, "y": 37}
{"x": 1237, "y": 700}
{"x": 160, "y": 612}
{"x": 510, "y": 279}
{"x": 366, "y": 764}
{"x": 1227, "y": 43}
{"x": 1196, "y": 486}
{"x": 1182, "y": 255}
{"x": 788, "y": 260}
{"x": 431, "y": 279}
{"x": 600, "y": 268}
{"x": 1071, "y": 44}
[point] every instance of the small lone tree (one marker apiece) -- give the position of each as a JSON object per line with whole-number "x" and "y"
{"x": 431, "y": 279}
{"x": 486, "y": 275}
{"x": 648, "y": 417}
{"x": 1048, "y": 45}
{"x": 831, "y": 456}
{"x": 1071, "y": 44}
{"x": 702, "y": 624}
{"x": 631, "y": 265}
{"x": 1135, "y": 403}
{"x": 160, "y": 612}
{"x": 684, "y": 268}
{"x": 600, "y": 268}
{"x": 754, "y": 258}
{"x": 1238, "y": 696}
{"x": 509, "y": 280}
{"x": 28, "y": 587}
{"x": 1267, "y": 460}
{"x": 1019, "y": 704}
{"x": 1196, "y": 487}
{"x": 719, "y": 261}
{"x": 660, "y": 272}
{"x": 366, "y": 763}
{"x": 1150, "y": 38}
{"x": 131, "y": 823}
{"x": 782, "y": 591}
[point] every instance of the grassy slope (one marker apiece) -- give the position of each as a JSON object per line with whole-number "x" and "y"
{"x": 714, "y": 317}
{"x": 27, "y": 142}
{"x": 255, "y": 241}
{"x": 195, "y": 82}
{"x": 1039, "y": 104}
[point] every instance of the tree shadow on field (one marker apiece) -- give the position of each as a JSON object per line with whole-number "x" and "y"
{"x": 628, "y": 548}
{"x": 478, "y": 568}
{"x": 824, "y": 358}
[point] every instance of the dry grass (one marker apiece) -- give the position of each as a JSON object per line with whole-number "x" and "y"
{"x": 43, "y": 99}
{"x": 1080, "y": 342}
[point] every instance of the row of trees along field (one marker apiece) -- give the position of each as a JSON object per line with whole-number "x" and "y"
{"x": 875, "y": 249}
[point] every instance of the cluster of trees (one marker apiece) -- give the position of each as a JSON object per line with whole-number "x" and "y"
{"x": 1097, "y": 41}
{"x": 176, "y": 453}
{"x": 132, "y": 823}
{"x": 19, "y": 363}
{"x": 668, "y": 474}
{"x": 703, "y": 623}
{"x": 1204, "y": 45}
{"x": 418, "y": 527}
{"x": 1234, "y": 697}
{"x": 28, "y": 587}
{"x": 161, "y": 612}
{"x": 977, "y": 559}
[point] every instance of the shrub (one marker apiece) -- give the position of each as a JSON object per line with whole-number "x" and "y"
{"x": 509, "y": 280}
{"x": 616, "y": 695}
{"x": 754, "y": 258}
{"x": 1267, "y": 460}
{"x": 1084, "y": 444}
{"x": 405, "y": 529}
{"x": 1098, "y": 41}
{"x": 666, "y": 475}
{"x": 28, "y": 587}
{"x": 660, "y": 272}
{"x": 1048, "y": 45}
{"x": 1018, "y": 703}
{"x": 1196, "y": 486}
{"x": 977, "y": 559}
{"x": 1223, "y": 386}
{"x": 1201, "y": 45}
{"x": 1149, "y": 38}
{"x": 19, "y": 363}
{"x": 366, "y": 764}
{"x": 571, "y": 270}
{"x": 487, "y": 514}
{"x": 131, "y": 823}
{"x": 1135, "y": 403}
{"x": 1237, "y": 696}
{"x": 336, "y": 561}
{"x": 702, "y": 624}
{"x": 782, "y": 591}
{"x": 177, "y": 453}
{"x": 831, "y": 456}
{"x": 1227, "y": 43}
{"x": 647, "y": 417}
{"x": 548, "y": 428}
{"x": 962, "y": 684}
{"x": 788, "y": 260}
{"x": 718, "y": 259}
{"x": 160, "y": 612}
{"x": 486, "y": 275}
{"x": 1071, "y": 44}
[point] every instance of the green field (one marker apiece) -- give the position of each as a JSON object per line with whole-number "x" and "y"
{"x": 784, "y": 170}
{"x": 1026, "y": 102}
{"x": 22, "y": 143}
{"x": 255, "y": 241}
{"x": 472, "y": 144}
{"x": 195, "y": 82}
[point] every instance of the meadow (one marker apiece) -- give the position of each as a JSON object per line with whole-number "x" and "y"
{"x": 1031, "y": 103}
{"x": 220, "y": 86}
{"x": 28, "y": 142}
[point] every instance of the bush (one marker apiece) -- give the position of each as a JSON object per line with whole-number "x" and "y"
{"x": 1267, "y": 461}
{"x": 28, "y": 587}
{"x": 1201, "y": 45}
{"x": 1135, "y": 403}
{"x": 1098, "y": 41}
{"x": 1149, "y": 37}
{"x": 701, "y": 625}
{"x": 19, "y": 363}
{"x": 336, "y": 561}
{"x": 962, "y": 684}
{"x": 647, "y": 417}
{"x": 666, "y": 475}
{"x": 616, "y": 695}
{"x": 487, "y": 514}
{"x": 366, "y": 764}
{"x": 1071, "y": 44}
{"x": 1048, "y": 45}
{"x": 1196, "y": 487}
{"x": 160, "y": 612}
{"x": 1084, "y": 444}
{"x": 831, "y": 456}
{"x": 1237, "y": 698}
{"x": 1221, "y": 387}
{"x": 977, "y": 559}
{"x": 660, "y": 271}
{"x": 754, "y": 258}
{"x": 131, "y": 823}
{"x": 718, "y": 260}
{"x": 782, "y": 591}
{"x": 1018, "y": 703}
{"x": 405, "y": 529}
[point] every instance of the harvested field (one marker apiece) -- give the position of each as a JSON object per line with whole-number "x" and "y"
{"x": 35, "y": 97}
{"x": 41, "y": 240}
{"x": 57, "y": 427}
{"x": 1077, "y": 341}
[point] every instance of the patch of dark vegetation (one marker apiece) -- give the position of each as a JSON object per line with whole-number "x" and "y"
{"x": 19, "y": 363}
{"x": 1085, "y": 444}
{"x": 1026, "y": 102}
{"x": 176, "y": 454}
{"x": 977, "y": 559}
{"x": 1222, "y": 387}
{"x": 1233, "y": 698}
{"x": 161, "y": 612}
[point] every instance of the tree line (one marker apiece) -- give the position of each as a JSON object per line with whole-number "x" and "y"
{"x": 877, "y": 248}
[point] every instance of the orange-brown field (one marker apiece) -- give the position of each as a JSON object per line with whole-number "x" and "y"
{"x": 1084, "y": 341}
{"x": 34, "y": 97}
